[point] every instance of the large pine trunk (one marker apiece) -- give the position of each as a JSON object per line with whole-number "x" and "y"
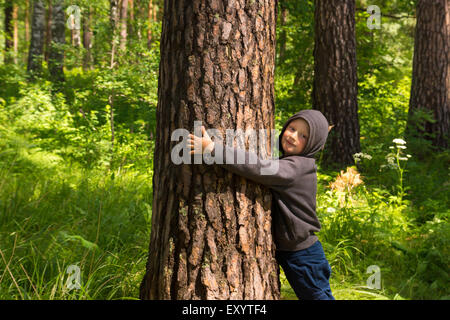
{"x": 211, "y": 230}
{"x": 37, "y": 38}
{"x": 56, "y": 56}
{"x": 335, "y": 78}
{"x": 430, "y": 90}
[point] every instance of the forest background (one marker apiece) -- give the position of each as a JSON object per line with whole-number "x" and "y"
{"x": 76, "y": 156}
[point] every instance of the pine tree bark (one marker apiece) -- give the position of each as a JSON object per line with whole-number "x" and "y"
{"x": 211, "y": 230}
{"x": 56, "y": 55}
{"x": 37, "y": 39}
{"x": 335, "y": 78}
{"x": 430, "y": 90}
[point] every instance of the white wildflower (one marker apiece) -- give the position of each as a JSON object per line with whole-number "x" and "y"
{"x": 399, "y": 141}
{"x": 331, "y": 210}
{"x": 401, "y": 147}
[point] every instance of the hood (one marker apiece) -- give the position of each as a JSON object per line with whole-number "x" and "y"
{"x": 318, "y": 131}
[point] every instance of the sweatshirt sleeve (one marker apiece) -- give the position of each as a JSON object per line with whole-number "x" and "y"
{"x": 269, "y": 172}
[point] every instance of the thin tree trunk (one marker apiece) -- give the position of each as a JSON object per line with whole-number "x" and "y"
{"x": 56, "y": 55}
{"x": 27, "y": 21}
{"x": 87, "y": 39}
{"x": 9, "y": 30}
{"x": 131, "y": 21}
{"x": 430, "y": 90}
{"x": 211, "y": 231}
{"x": 113, "y": 20}
{"x": 16, "y": 32}
{"x": 76, "y": 37}
{"x": 150, "y": 21}
{"x": 123, "y": 25}
{"x": 48, "y": 31}
{"x": 283, "y": 35}
{"x": 37, "y": 39}
{"x": 335, "y": 77}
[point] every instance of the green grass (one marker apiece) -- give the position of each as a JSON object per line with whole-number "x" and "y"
{"x": 65, "y": 201}
{"x": 54, "y": 218}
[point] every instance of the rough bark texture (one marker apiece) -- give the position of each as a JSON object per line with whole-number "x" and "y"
{"x": 37, "y": 38}
{"x": 56, "y": 56}
{"x": 211, "y": 230}
{"x": 335, "y": 78}
{"x": 430, "y": 88}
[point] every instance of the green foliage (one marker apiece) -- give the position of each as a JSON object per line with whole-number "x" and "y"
{"x": 70, "y": 195}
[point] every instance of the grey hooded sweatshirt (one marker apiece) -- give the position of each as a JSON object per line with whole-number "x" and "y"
{"x": 293, "y": 185}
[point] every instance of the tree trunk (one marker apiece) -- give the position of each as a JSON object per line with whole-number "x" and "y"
{"x": 131, "y": 21}
{"x": 48, "y": 31}
{"x": 150, "y": 21}
{"x": 211, "y": 231}
{"x": 123, "y": 25}
{"x": 87, "y": 39}
{"x": 76, "y": 37}
{"x": 8, "y": 32}
{"x": 335, "y": 78}
{"x": 56, "y": 56}
{"x": 16, "y": 32}
{"x": 27, "y": 21}
{"x": 430, "y": 90}
{"x": 283, "y": 35}
{"x": 113, "y": 21}
{"x": 37, "y": 39}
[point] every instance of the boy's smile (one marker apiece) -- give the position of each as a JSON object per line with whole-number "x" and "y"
{"x": 295, "y": 137}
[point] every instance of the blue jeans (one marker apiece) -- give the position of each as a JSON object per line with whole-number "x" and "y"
{"x": 307, "y": 271}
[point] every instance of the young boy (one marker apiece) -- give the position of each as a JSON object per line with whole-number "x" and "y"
{"x": 294, "y": 187}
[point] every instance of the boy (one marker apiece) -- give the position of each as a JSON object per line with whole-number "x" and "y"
{"x": 294, "y": 187}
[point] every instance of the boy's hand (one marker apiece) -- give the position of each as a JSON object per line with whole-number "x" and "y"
{"x": 199, "y": 145}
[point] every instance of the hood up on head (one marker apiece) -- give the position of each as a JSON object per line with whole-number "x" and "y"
{"x": 318, "y": 131}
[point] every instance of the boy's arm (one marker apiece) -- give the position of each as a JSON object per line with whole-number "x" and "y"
{"x": 269, "y": 172}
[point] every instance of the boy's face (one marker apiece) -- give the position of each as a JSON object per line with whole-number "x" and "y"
{"x": 295, "y": 137}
